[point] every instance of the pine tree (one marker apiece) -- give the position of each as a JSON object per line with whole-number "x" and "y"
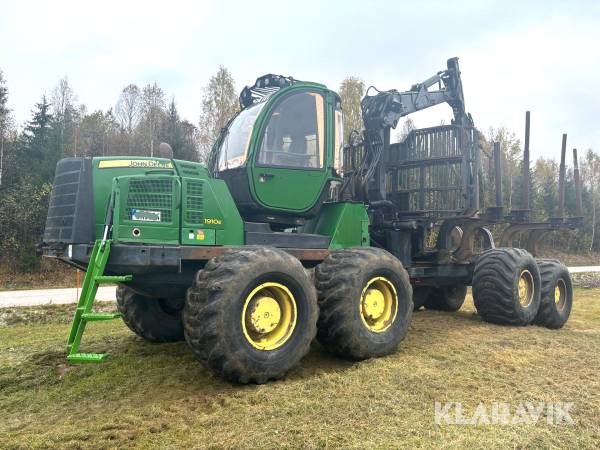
{"x": 38, "y": 154}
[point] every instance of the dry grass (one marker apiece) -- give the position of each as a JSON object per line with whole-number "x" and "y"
{"x": 571, "y": 259}
{"x": 50, "y": 274}
{"x": 158, "y": 396}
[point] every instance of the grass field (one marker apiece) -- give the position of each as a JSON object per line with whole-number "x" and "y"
{"x": 158, "y": 396}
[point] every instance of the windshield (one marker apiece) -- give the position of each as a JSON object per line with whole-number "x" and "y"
{"x": 234, "y": 147}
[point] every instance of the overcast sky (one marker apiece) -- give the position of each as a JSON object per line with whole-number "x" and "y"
{"x": 514, "y": 55}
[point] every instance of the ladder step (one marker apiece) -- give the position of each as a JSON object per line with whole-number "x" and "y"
{"x": 93, "y": 277}
{"x": 86, "y": 357}
{"x": 113, "y": 279}
{"x": 95, "y": 317}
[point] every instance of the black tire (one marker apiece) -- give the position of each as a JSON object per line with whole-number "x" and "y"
{"x": 214, "y": 308}
{"x": 155, "y": 320}
{"x": 341, "y": 280}
{"x": 554, "y": 275}
{"x": 420, "y": 294}
{"x": 496, "y": 286}
{"x": 448, "y": 298}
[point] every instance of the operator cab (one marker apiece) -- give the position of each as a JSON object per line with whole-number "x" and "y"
{"x": 282, "y": 151}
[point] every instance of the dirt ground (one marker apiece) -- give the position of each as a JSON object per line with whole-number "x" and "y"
{"x": 157, "y": 396}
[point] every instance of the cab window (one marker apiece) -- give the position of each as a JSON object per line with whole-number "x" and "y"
{"x": 294, "y": 136}
{"x": 234, "y": 147}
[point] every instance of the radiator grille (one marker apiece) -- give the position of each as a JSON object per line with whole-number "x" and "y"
{"x": 69, "y": 217}
{"x": 151, "y": 195}
{"x": 194, "y": 204}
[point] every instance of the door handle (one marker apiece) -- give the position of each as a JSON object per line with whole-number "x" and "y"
{"x": 262, "y": 177}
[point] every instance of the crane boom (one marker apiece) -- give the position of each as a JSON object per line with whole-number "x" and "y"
{"x": 385, "y": 108}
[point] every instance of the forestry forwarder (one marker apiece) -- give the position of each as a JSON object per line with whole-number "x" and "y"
{"x": 218, "y": 255}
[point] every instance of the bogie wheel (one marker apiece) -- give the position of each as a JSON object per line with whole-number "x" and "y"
{"x": 557, "y": 294}
{"x": 420, "y": 294}
{"x": 447, "y": 298}
{"x": 507, "y": 286}
{"x": 251, "y": 314}
{"x": 366, "y": 304}
{"x": 154, "y": 319}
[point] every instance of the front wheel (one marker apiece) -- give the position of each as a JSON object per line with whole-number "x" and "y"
{"x": 366, "y": 303}
{"x": 251, "y": 314}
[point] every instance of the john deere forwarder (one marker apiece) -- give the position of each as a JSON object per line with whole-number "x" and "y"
{"x": 218, "y": 255}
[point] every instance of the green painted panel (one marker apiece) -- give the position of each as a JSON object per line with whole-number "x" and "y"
{"x": 105, "y": 169}
{"x": 198, "y": 236}
{"x": 293, "y": 189}
{"x": 230, "y": 230}
{"x": 193, "y": 205}
{"x": 146, "y": 209}
{"x": 347, "y": 223}
{"x": 207, "y": 207}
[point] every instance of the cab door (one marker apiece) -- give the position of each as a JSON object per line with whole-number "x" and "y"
{"x": 289, "y": 170}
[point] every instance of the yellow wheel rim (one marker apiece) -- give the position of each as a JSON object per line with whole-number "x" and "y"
{"x": 269, "y": 316}
{"x": 526, "y": 288}
{"x": 378, "y": 304}
{"x": 560, "y": 294}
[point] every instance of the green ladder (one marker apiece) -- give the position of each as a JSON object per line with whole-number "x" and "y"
{"x": 94, "y": 277}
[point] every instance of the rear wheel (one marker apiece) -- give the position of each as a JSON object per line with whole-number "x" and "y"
{"x": 154, "y": 319}
{"x": 507, "y": 286}
{"x": 557, "y": 294}
{"x": 448, "y": 298}
{"x": 420, "y": 294}
{"x": 366, "y": 304}
{"x": 251, "y": 314}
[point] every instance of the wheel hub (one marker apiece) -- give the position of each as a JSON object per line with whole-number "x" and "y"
{"x": 560, "y": 294}
{"x": 525, "y": 288}
{"x": 378, "y": 304}
{"x": 269, "y": 316}
{"x": 265, "y": 315}
{"x": 374, "y": 304}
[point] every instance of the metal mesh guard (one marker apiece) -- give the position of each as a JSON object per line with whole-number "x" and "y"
{"x": 151, "y": 195}
{"x": 194, "y": 204}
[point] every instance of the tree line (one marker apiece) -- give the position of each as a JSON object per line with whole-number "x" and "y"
{"x": 144, "y": 116}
